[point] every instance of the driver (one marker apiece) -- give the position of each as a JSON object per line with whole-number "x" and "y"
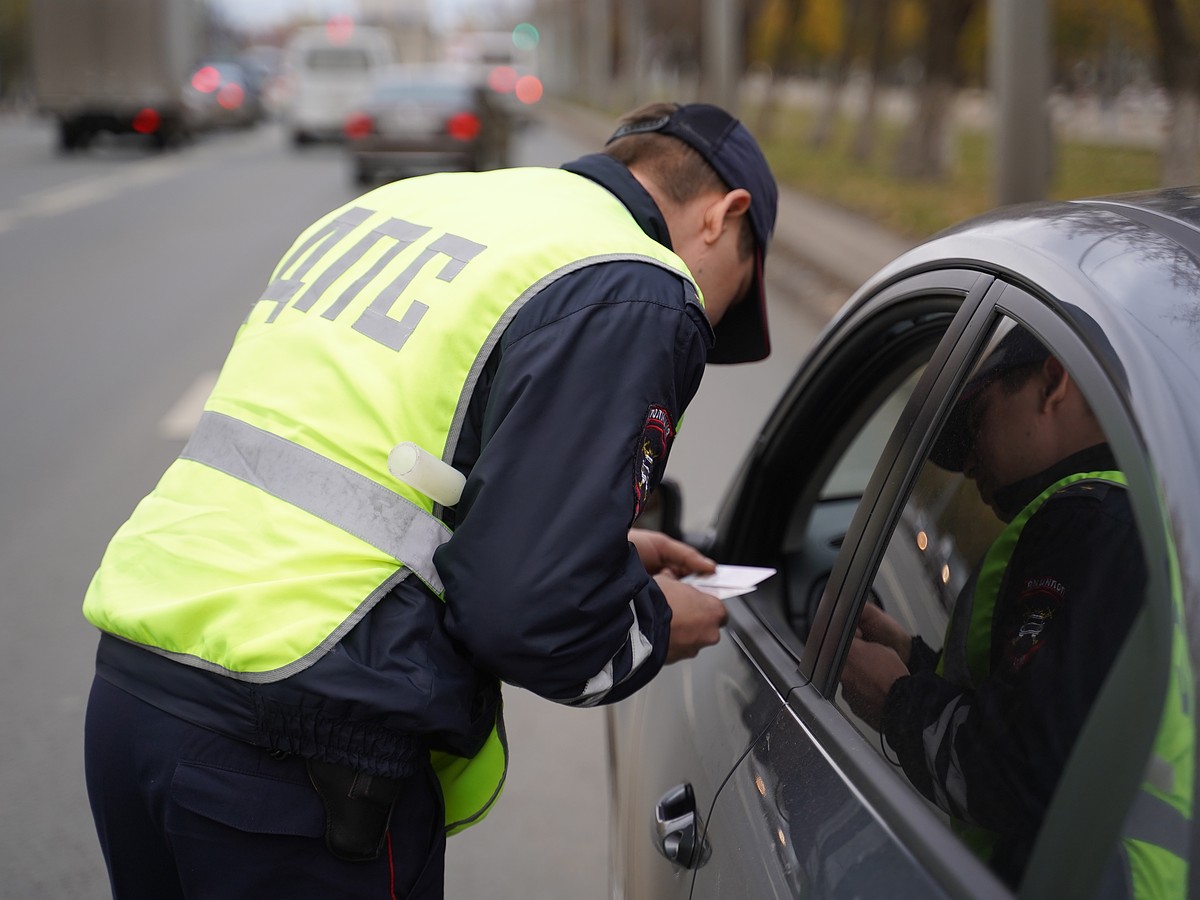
{"x": 983, "y": 727}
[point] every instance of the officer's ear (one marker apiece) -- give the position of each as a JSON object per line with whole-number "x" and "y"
{"x": 1055, "y": 383}
{"x": 725, "y": 211}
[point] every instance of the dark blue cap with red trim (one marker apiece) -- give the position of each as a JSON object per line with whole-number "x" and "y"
{"x": 731, "y": 150}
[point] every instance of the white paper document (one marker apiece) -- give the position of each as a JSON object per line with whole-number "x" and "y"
{"x": 730, "y": 581}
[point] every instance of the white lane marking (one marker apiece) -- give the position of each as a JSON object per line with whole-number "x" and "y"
{"x": 67, "y": 198}
{"x": 180, "y": 421}
{"x": 74, "y": 195}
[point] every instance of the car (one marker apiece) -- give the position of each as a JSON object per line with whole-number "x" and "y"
{"x": 505, "y": 61}
{"x": 425, "y": 119}
{"x": 327, "y": 73}
{"x": 744, "y": 772}
{"x": 221, "y": 94}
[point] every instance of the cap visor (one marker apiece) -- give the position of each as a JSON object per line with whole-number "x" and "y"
{"x": 741, "y": 335}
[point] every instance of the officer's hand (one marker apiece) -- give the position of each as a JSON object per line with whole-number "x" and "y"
{"x": 870, "y": 671}
{"x": 660, "y": 553}
{"x": 878, "y": 627}
{"x": 696, "y": 618}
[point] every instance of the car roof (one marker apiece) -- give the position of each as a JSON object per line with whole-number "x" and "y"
{"x": 309, "y": 36}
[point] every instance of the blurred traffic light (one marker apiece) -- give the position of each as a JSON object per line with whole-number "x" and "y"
{"x": 525, "y": 36}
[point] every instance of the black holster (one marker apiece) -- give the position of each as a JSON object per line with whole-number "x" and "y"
{"x": 358, "y": 808}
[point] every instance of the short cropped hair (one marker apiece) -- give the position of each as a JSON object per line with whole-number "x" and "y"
{"x": 675, "y": 166}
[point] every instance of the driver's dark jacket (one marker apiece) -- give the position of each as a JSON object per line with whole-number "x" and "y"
{"x": 543, "y": 589}
{"x": 1069, "y": 595}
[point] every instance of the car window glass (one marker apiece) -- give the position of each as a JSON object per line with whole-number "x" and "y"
{"x": 417, "y": 91}
{"x": 338, "y": 59}
{"x": 853, "y": 470}
{"x": 1007, "y": 585}
{"x": 858, "y": 435}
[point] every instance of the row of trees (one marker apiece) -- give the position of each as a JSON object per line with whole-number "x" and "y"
{"x": 933, "y": 48}
{"x": 14, "y": 47}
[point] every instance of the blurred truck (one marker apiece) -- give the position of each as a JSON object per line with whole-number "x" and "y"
{"x": 114, "y": 65}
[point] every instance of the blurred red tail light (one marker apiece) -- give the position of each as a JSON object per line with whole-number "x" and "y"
{"x": 231, "y": 95}
{"x": 146, "y": 121}
{"x": 463, "y": 126}
{"x": 529, "y": 89}
{"x": 502, "y": 79}
{"x": 206, "y": 79}
{"x": 358, "y": 125}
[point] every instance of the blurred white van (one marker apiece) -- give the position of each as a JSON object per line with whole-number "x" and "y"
{"x": 329, "y": 72}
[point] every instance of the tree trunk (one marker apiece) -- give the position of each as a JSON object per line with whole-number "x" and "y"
{"x": 781, "y": 56}
{"x": 831, "y": 109}
{"x": 868, "y": 123}
{"x": 1180, "y": 67}
{"x": 925, "y": 149}
{"x": 1181, "y": 145}
{"x": 924, "y": 152}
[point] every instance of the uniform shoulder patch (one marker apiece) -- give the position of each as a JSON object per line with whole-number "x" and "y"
{"x": 1091, "y": 490}
{"x": 650, "y": 457}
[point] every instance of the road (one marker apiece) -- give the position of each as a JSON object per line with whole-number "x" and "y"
{"x": 125, "y": 277}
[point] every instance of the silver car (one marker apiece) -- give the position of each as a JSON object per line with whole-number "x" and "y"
{"x": 744, "y": 773}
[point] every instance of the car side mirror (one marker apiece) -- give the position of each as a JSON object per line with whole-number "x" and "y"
{"x": 664, "y": 511}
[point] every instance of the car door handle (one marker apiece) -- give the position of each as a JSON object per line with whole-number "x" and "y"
{"x": 679, "y": 828}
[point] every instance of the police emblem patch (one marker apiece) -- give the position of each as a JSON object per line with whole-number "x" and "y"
{"x": 651, "y": 455}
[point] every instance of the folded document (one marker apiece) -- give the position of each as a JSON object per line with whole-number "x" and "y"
{"x": 730, "y": 581}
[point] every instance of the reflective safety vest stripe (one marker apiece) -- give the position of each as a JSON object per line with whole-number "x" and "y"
{"x": 280, "y": 526}
{"x": 1154, "y": 842}
{"x": 1156, "y": 834}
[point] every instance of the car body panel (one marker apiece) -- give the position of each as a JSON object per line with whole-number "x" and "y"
{"x": 724, "y": 699}
{"x": 818, "y": 835}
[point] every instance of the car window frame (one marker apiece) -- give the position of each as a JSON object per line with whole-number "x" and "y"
{"x": 1143, "y": 665}
{"x": 890, "y": 485}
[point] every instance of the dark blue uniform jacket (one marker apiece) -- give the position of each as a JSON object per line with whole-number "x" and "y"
{"x": 567, "y": 429}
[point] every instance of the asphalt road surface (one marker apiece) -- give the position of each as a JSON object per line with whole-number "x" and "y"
{"x": 125, "y": 276}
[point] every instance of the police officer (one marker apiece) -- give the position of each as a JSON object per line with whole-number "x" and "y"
{"x": 984, "y": 726}
{"x": 297, "y": 686}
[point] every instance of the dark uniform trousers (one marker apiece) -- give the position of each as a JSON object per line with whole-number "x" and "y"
{"x": 183, "y": 812}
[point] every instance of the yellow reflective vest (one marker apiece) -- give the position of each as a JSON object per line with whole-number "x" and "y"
{"x": 280, "y": 526}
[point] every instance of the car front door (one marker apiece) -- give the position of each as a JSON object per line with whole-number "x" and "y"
{"x": 788, "y": 819}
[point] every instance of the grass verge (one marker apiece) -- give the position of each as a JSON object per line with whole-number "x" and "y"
{"x": 918, "y": 208}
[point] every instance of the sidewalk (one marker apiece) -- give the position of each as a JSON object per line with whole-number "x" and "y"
{"x": 843, "y": 246}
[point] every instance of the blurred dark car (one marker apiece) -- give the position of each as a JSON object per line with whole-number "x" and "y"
{"x": 425, "y": 119}
{"x": 222, "y": 94}
{"x": 744, "y": 773}
{"x": 262, "y": 65}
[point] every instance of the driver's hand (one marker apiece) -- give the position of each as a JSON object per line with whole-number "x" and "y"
{"x": 878, "y": 627}
{"x": 868, "y": 675}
